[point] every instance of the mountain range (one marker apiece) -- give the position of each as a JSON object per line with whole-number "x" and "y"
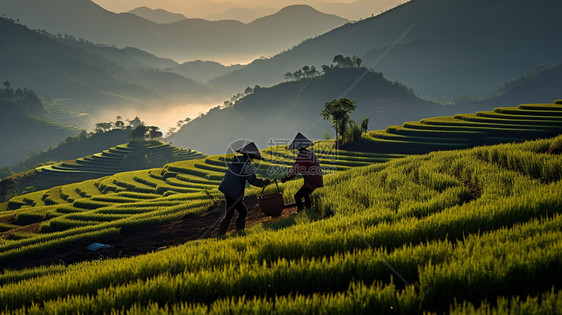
{"x": 244, "y": 15}
{"x": 355, "y": 10}
{"x": 225, "y": 41}
{"x": 88, "y": 78}
{"x": 540, "y": 86}
{"x": 248, "y": 10}
{"x": 203, "y": 71}
{"x": 279, "y": 112}
{"x": 158, "y": 15}
{"x": 440, "y": 48}
{"x": 26, "y": 125}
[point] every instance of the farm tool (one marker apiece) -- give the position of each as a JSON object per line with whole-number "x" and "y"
{"x": 272, "y": 204}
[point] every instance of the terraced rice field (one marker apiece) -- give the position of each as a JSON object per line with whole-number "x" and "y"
{"x": 507, "y": 124}
{"x": 114, "y": 160}
{"x": 464, "y": 231}
{"x": 80, "y": 211}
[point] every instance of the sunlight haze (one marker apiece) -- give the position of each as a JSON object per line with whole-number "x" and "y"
{"x": 214, "y": 9}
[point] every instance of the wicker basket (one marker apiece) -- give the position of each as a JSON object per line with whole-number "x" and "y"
{"x": 271, "y": 204}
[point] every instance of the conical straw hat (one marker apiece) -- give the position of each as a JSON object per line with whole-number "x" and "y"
{"x": 250, "y": 149}
{"x": 300, "y": 142}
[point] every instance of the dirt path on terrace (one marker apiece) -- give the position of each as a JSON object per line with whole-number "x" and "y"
{"x": 148, "y": 239}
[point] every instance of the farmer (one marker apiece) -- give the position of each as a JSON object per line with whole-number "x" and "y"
{"x": 233, "y": 185}
{"x": 306, "y": 165}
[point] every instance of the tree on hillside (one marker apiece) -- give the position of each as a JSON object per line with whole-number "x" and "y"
{"x": 83, "y": 135}
{"x": 357, "y": 61}
{"x": 309, "y": 72}
{"x": 339, "y": 60}
{"x": 365, "y": 124}
{"x": 338, "y": 111}
{"x": 154, "y": 133}
{"x": 171, "y": 131}
{"x": 7, "y": 93}
{"x": 103, "y": 127}
{"x": 139, "y": 133}
{"x": 304, "y": 72}
{"x": 352, "y": 133}
{"x": 297, "y": 75}
{"x": 135, "y": 122}
{"x": 347, "y": 62}
{"x": 119, "y": 124}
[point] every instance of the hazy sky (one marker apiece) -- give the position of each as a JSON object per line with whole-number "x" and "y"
{"x": 187, "y": 6}
{"x": 212, "y": 8}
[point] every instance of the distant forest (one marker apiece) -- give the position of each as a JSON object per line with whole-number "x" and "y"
{"x": 23, "y": 99}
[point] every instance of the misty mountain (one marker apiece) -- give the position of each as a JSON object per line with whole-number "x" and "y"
{"x": 191, "y": 39}
{"x": 87, "y": 77}
{"x": 249, "y": 10}
{"x": 358, "y": 9}
{"x": 244, "y": 15}
{"x": 129, "y": 58}
{"x": 157, "y": 15}
{"x": 203, "y": 71}
{"x": 280, "y": 111}
{"x": 25, "y": 125}
{"x": 543, "y": 85}
{"x": 449, "y": 48}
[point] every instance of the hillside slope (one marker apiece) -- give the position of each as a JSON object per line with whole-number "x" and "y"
{"x": 203, "y": 71}
{"x": 444, "y": 48}
{"x": 503, "y": 124}
{"x": 86, "y": 77}
{"x": 282, "y": 110}
{"x": 157, "y": 15}
{"x": 73, "y": 148}
{"x": 395, "y": 236}
{"x": 543, "y": 85}
{"x": 121, "y": 158}
{"x": 89, "y": 77}
{"x": 26, "y": 126}
{"x": 189, "y": 39}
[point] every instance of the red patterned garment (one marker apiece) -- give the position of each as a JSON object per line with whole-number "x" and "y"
{"x": 307, "y": 165}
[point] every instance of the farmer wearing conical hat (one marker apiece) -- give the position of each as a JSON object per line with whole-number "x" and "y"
{"x": 233, "y": 185}
{"x": 306, "y": 165}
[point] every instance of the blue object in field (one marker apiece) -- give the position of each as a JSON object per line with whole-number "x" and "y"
{"x": 94, "y": 247}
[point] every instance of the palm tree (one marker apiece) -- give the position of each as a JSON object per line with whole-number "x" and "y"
{"x": 338, "y": 111}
